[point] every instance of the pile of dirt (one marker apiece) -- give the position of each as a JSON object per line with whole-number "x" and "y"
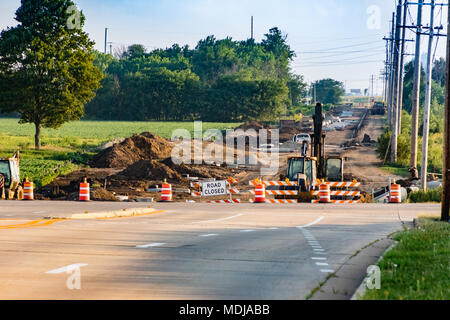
{"x": 252, "y": 125}
{"x": 100, "y": 194}
{"x": 150, "y": 170}
{"x": 155, "y": 170}
{"x": 287, "y": 133}
{"x": 144, "y": 146}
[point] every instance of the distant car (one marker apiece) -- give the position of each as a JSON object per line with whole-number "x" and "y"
{"x": 299, "y": 138}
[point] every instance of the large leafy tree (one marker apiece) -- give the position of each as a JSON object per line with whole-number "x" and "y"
{"x": 47, "y": 73}
{"x": 329, "y": 91}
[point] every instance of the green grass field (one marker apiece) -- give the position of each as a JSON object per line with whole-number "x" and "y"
{"x": 418, "y": 267}
{"x": 67, "y": 148}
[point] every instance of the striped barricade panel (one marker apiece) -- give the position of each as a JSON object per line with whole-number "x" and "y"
{"x": 338, "y": 184}
{"x": 225, "y": 201}
{"x": 273, "y": 183}
{"x": 277, "y": 192}
{"x": 340, "y": 193}
{"x": 277, "y": 201}
{"x": 340, "y": 201}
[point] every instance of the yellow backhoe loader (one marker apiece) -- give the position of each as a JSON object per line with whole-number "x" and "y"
{"x": 10, "y": 185}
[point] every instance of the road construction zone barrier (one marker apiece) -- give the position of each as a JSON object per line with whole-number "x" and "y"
{"x": 28, "y": 187}
{"x": 340, "y": 201}
{"x": 273, "y": 183}
{"x": 85, "y": 192}
{"x": 166, "y": 192}
{"x": 277, "y": 201}
{"x": 324, "y": 193}
{"x": 210, "y": 188}
{"x": 260, "y": 194}
{"x": 395, "y": 193}
{"x": 225, "y": 201}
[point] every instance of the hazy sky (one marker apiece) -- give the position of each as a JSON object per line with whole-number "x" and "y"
{"x": 340, "y": 39}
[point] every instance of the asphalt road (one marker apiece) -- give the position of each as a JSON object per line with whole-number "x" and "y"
{"x": 185, "y": 251}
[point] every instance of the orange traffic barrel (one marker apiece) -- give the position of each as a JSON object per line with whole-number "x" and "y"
{"x": 324, "y": 193}
{"x": 166, "y": 192}
{"x": 395, "y": 195}
{"x": 85, "y": 193}
{"x": 260, "y": 193}
{"x": 28, "y": 190}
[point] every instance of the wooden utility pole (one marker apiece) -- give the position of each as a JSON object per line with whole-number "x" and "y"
{"x": 446, "y": 167}
{"x": 396, "y": 82}
{"x": 426, "y": 116}
{"x": 416, "y": 91}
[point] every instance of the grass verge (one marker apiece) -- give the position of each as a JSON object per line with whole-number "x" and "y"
{"x": 418, "y": 268}
{"x": 434, "y": 195}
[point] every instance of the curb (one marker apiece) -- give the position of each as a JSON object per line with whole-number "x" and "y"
{"x": 108, "y": 214}
{"x": 362, "y": 289}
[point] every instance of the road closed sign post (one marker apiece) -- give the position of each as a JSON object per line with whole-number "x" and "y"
{"x": 214, "y": 188}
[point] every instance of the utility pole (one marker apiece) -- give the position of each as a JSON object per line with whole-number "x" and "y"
{"x": 106, "y": 39}
{"x": 426, "y": 118}
{"x": 252, "y": 29}
{"x": 446, "y": 167}
{"x": 416, "y": 91}
{"x": 402, "y": 68}
{"x": 395, "y": 105}
{"x": 391, "y": 74}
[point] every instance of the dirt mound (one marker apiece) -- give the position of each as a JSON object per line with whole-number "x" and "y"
{"x": 100, "y": 194}
{"x": 151, "y": 170}
{"x": 144, "y": 146}
{"x": 156, "y": 170}
{"x": 287, "y": 133}
{"x": 252, "y": 125}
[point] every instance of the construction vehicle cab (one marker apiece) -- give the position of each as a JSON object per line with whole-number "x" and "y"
{"x": 9, "y": 176}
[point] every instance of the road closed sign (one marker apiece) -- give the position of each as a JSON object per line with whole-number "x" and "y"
{"x": 214, "y": 188}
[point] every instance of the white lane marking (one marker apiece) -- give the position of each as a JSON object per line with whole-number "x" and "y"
{"x": 38, "y": 212}
{"x": 319, "y": 252}
{"x": 318, "y": 258}
{"x": 248, "y": 230}
{"x": 67, "y": 268}
{"x": 273, "y": 228}
{"x": 208, "y": 235}
{"x": 312, "y": 223}
{"x": 318, "y": 249}
{"x": 223, "y": 219}
{"x": 321, "y": 263}
{"x": 150, "y": 245}
{"x": 326, "y": 270}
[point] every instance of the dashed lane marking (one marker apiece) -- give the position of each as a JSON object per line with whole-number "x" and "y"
{"x": 208, "y": 235}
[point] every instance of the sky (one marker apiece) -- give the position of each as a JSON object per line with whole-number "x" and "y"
{"x": 339, "y": 39}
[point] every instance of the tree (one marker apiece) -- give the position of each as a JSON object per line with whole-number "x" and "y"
{"x": 439, "y": 69}
{"x": 329, "y": 91}
{"x": 47, "y": 73}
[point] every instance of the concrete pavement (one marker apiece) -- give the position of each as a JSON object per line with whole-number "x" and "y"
{"x": 186, "y": 251}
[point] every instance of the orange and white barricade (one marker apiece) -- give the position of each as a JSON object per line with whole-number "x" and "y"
{"x": 28, "y": 187}
{"x": 395, "y": 193}
{"x": 260, "y": 193}
{"x": 324, "y": 193}
{"x": 85, "y": 192}
{"x": 166, "y": 192}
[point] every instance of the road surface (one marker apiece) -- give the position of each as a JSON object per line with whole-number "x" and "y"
{"x": 186, "y": 251}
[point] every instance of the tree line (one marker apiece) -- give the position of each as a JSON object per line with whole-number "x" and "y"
{"x": 218, "y": 80}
